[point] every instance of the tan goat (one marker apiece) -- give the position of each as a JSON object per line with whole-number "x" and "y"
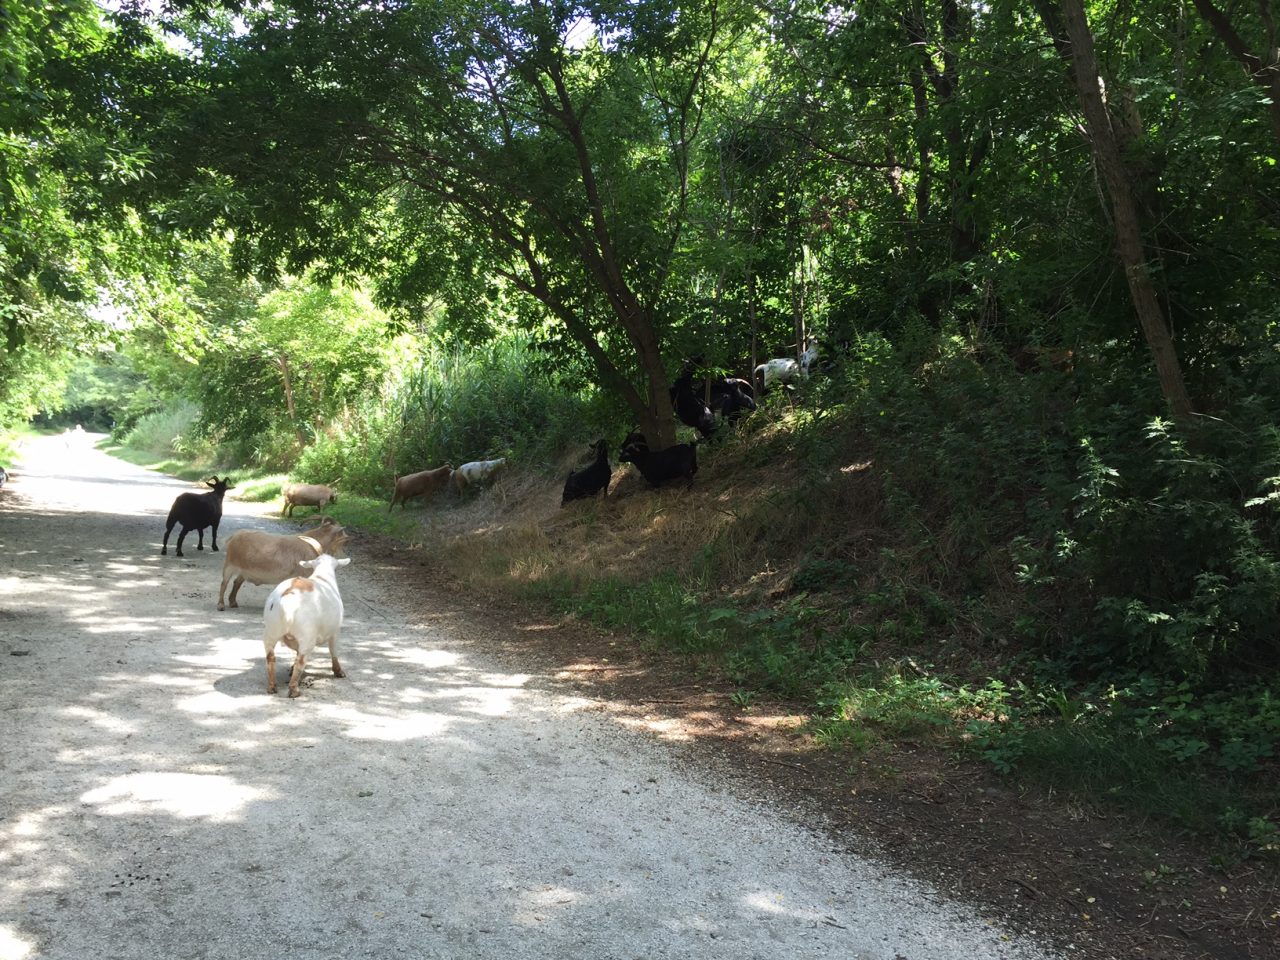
{"x": 270, "y": 558}
{"x": 307, "y": 495}
{"x": 419, "y": 484}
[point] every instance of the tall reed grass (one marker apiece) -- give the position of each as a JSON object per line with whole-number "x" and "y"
{"x": 454, "y": 406}
{"x": 162, "y": 433}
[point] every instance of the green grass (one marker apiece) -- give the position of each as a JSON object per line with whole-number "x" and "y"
{"x": 370, "y": 514}
{"x": 662, "y": 611}
{"x": 261, "y": 489}
{"x": 1035, "y": 736}
{"x": 183, "y": 469}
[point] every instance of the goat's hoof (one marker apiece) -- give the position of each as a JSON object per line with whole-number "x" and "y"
{"x": 164, "y": 552}
{"x": 294, "y": 692}
{"x": 199, "y": 548}
{"x": 215, "y": 549}
{"x": 271, "y": 689}
{"x": 341, "y": 674}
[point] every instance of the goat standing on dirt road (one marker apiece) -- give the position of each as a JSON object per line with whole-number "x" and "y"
{"x": 195, "y": 511}
{"x": 304, "y": 613}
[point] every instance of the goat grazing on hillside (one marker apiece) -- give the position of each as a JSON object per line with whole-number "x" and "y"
{"x": 476, "y": 472}
{"x": 689, "y": 407}
{"x": 304, "y": 613}
{"x": 786, "y": 370}
{"x": 420, "y": 484}
{"x": 591, "y": 479}
{"x": 726, "y": 397}
{"x": 269, "y": 557}
{"x": 195, "y": 511}
{"x": 731, "y": 397}
{"x": 663, "y": 466}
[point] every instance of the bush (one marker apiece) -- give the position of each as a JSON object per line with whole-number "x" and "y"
{"x": 165, "y": 432}
{"x": 453, "y": 407}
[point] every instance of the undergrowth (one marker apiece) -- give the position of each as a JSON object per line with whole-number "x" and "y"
{"x": 1013, "y": 566}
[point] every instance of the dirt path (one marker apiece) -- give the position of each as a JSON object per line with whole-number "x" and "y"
{"x": 155, "y": 802}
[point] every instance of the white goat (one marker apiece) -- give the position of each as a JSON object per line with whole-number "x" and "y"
{"x": 476, "y": 472}
{"x": 784, "y": 369}
{"x": 304, "y": 613}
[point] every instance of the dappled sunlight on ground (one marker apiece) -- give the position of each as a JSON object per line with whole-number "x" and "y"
{"x": 12, "y": 945}
{"x": 215, "y": 798}
{"x": 108, "y": 722}
{"x": 430, "y": 659}
{"x": 398, "y": 725}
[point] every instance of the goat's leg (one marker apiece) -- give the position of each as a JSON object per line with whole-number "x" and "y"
{"x": 271, "y": 668}
{"x": 182, "y": 535}
{"x": 298, "y": 666}
{"x": 333, "y": 655}
{"x": 235, "y": 589}
{"x": 200, "y": 538}
{"x": 222, "y": 590}
{"x": 164, "y": 546}
{"x": 214, "y": 535}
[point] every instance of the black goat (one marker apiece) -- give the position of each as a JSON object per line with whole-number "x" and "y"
{"x": 658, "y": 468}
{"x": 591, "y": 479}
{"x": 3, "y": 476}
{"x": 731, "y": 397}
{"x": 689, "y": 408}
{"x": 195, "y": 511}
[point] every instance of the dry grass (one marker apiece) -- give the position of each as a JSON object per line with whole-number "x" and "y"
{"x": 745, "y": 501}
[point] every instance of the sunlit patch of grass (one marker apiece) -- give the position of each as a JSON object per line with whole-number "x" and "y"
{"x": 369, "y": 514}
{"x": 249, "y": 484}
{"x": 172, "y": 465}
{"x": 261, "y": 489}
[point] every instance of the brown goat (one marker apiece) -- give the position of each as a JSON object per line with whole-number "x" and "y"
{"x": 419, "y": 484}
{"x": 307, "y": 495}
{"x": 270, "y": 558}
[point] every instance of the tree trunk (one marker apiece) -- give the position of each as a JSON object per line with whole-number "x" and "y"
{"x": 1124, "y": 209}
{"x": 282, "y": 364}
{"x": 658, "y": 421}
{"x": 924, "y": 179}
{"x": 1263, "y": 69}
{"x": 797, "y": 301}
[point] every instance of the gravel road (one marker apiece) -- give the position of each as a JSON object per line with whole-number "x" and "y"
{"x": 155, "y": 802}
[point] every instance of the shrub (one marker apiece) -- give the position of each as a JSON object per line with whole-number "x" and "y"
{"x": 165, "y": 432}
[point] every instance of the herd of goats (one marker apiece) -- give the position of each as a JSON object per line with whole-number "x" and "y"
{"x": 304, "y": 610}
